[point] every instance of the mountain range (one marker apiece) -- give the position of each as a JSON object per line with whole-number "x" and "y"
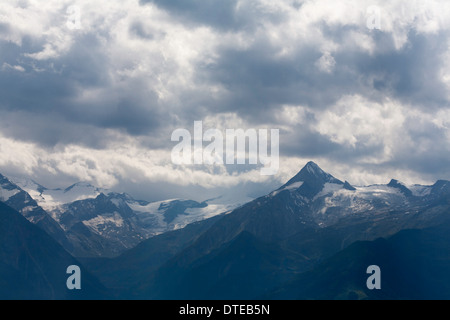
{"x": 93, "y": 222}
{"x": 312, "y": 238}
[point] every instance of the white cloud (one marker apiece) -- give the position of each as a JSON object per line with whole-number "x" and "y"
{"x": 357, "y": 120}
{"x": 107, "y": 166}
{"x": 7, "y": 66}
{"x": 326, "y": 63}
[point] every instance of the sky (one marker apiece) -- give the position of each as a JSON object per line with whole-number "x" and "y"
{"x": 92, "y": 90}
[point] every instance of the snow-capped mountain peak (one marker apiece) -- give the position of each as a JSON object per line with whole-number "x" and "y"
{"x": 311, "y": 172}
{"x": 400, "y": 186}
{"x": 309, "y": 181}
{"x": 51, "y": 199}
{"x": 78, "y": 185}
{"x": 348, "y": 186}
{"x": 313, "y": 168}
{"x": 328, "y": 199}
{"x": 27, "y": 184}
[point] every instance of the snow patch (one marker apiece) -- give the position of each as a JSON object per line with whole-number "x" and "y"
{"x": 117, "y": 202}
{"x": 329, "y": 188}
{"x": 6, "y": 194}
{"x": 420, "y": 191}
{"x": 294, "y": 185}
{"x": 311, "y": 169}
{"x": 291, "y": 187}
{"x": 52, "y": 199}
{"x": 151, "y": 208}
{"x": 154, "y": 212}
{"x": 104, "y": 220}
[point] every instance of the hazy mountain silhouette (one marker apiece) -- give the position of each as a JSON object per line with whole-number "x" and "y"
{"x": 33, "y": 265}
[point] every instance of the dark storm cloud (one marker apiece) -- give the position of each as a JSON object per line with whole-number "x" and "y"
{"x": 30, "y": 91}
{"x": 139, "y": 30}
{"x": 4, "y": 28}
{"x": 307, "y": 143}
{"x": 411, "y": 74}
{"x": 222, "y": 15}
{"x": 216, "y": 13}
{"x": 52, "y": 96}
{"x": 428, "y": 152}
{"x": 49, "y": 130}
{"x": 257, "y": 80}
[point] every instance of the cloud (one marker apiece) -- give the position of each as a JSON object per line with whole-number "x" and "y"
{"x": 7, "y": 66}
{"x": 231, "y": 15}
{"x": 92, "y": 103}
{"x": 116, "y": 166}
{"x": 326, "y": 63}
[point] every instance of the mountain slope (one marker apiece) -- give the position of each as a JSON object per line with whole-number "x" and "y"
{"x": 103, "y": 226}
{"x": 414, "y": 265}
{"x": 33, "y": 265}
{"x": 21, "y": 201}
{"x": 131, "y": 269}
{"x": 242, "y": 269}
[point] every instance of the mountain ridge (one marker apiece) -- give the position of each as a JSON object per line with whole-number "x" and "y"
{"x": 291, "y": 231}
{"x": 252, "y": 250}
{"x": 96, "y": 222}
